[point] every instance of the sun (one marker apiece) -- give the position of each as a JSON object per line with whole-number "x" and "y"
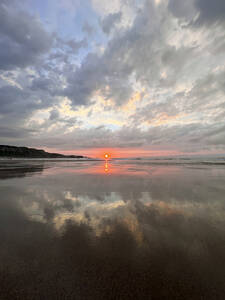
{"x": 106, "y": 156}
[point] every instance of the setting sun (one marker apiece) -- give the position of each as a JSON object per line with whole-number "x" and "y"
{"x": 106, "y": 156}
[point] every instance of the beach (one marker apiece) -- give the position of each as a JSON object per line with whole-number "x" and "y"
{"x": 129, "y": 229}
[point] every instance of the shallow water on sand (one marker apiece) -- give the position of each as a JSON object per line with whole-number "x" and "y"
{"x": 111, "y": 230}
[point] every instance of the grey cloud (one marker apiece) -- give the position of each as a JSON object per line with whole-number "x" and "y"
{"x": 206, "y": 93}
{"x": 22, "y": 38}
{"x": 8, "y": 133}
{"x": 77, "y": 45}
{"x": 139, "y": 53}
{"x": 122, "y": 59}
{"x": 84, "y": 81}
{"x": 65, "y": 48}
{"x": 206, "y": 97}
{"x": 16, "y": 106}
{"x": 41, "y": 83}
{"x": 87, "y": 28}
{"x": 16, "y": 101}
{"x": 191, "y": 137}
{"x": 110, "y": 21}
{"x": 59, "y": 56}
{"x": 136, "y": 55}
{"x": 153, "y": 111}
{"x": 176, "y": 58}
{"x": 11, "y": 99}
{"x": 97, "y": 73}
{"x": 182, "y": 9}
{"x": 44, "y": 86}
{"x": 199, "y": 12}
{"x": 54, "y": 114}
{"x": 210, "y": 11}
{"x": 188, "y": 138}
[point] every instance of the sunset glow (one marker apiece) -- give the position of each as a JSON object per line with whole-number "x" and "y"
{"x": 119, "y": 152}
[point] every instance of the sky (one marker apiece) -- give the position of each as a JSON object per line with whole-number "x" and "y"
{"x": 131, "y": 77}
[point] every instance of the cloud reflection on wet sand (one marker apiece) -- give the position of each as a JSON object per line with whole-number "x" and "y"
{"x": 88, "y": 236}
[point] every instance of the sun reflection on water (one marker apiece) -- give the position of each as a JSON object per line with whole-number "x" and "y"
{"x": 106, "y": 166}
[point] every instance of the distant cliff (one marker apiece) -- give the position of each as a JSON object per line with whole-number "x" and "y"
{"x": 13, "y": 151}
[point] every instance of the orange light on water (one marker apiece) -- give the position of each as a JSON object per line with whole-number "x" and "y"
{"x": 106, "y": 166}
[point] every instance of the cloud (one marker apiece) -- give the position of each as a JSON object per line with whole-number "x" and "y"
{"x": 43, "y": 84}
{"x": 54, "y": 114}
{"x": 15, "y": 101}
{"x": 111, "y": 72}
{"x": 88, "y": 29}
{"x": 77, "y": 45}
{"x": 17, "y": 106}
{"x": 11, "y": 99}
{"x": 15, "y": 133}
{"x": 210, "y": 12}
{"x": 199, "y": 12}
{"x": 135, "y": 54}
{"x": 182, "y": 9}
{"x": 80, "y": 85}
{"x": 110, "y": 21}
{"x": 23, "y": 39}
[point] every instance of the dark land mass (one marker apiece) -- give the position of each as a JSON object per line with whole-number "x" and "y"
{"x": 13, "y": 151}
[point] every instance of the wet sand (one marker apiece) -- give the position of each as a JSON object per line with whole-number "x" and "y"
{"x": 111, "y": 230}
